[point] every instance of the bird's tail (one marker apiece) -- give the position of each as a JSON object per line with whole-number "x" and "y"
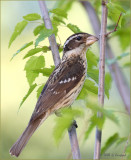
{"x": 23, "y": 139}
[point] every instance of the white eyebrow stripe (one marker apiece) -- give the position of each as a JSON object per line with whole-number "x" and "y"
{"x": 72, "y": 38}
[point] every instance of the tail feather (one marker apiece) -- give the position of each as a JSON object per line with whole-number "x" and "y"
{"x": 23, "y": 139}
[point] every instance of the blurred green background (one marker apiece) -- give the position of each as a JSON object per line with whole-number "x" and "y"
{"x": 14, "y": 86}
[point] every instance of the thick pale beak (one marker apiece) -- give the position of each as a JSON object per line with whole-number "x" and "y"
{"x": 91, "y": 39}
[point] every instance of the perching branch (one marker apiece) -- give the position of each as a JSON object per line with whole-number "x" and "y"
{"x": 56, "y": 57}
{"x": 97, "y": 149}
{"x": 114, "y": 68}
{"x": 73, "y": 141}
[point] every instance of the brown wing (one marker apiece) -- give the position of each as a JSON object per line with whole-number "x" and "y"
{"x": 65, "y": 77}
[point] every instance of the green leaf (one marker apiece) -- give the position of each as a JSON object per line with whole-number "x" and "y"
{"x": 93, "y": 74}
{"x": 108, "y": 81}
{"x": 98, "y": 121}
{"x": 38, "y": 29}
{"x": 73, "y": 28}
{"x": 33, "y": 52}
{"x": 32, "y": 64}
{"x": 124, "y": 37}
{"x": 43, "y": 34}
{"x": 39, "y": 90}
{"x": 121, "y": 140}
{"x": 91, "y": 59}
{"x": 17, "y": 31}
{"x": 83, "y": 94}
{"x": 126, "y": 19}
{"x": 89, "y": 130}
{"x": 22, "y": 48}
{"x": 59, "y": 12}
{"x": 32, "y": 17}
{"x": 65, "y": 5}
{"x": 58, "y": 19}
{"x": 107, "y": 113}
{"x": 110, "y": 141}
{"x": 64, "y": 122}
{"x": 114, "y": 11}
{"x": 45, "y": 71}
{"x": 90, "y": 86}
{"x": 32, "y": 87}
{"x": 45, "y": 49}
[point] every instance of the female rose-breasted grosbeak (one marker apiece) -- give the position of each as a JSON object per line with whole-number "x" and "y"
{"x": 62, "y": 87}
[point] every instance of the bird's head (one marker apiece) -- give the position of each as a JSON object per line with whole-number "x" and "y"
{"x": 77, "y": 44}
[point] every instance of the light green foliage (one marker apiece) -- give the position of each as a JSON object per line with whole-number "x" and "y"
{"x": 32, "y": 17}
{"x": 32, "y": 87}
{"x": 73, "y": 28}
{"x": 124, "y": 37}
{"x": 39, "y": 90}
{"x": 108, "y": 81}
{"x": 22, "y": 48}
{"x": 64, "y": 122}
{"x": 17, "y": 31}
{"x": 91, "y": 59}
{"x": 114, "y": 11}
{"x": 64, "y": 4}
{"x": 121, "y": 140}
{"x": 83, "y": 94}
{"x": 32, "y": 52}
{"x": 32, "y": 64}
{"x": 58, "y": 19}
{"x": 93, "y": 74}
{"x": 38, "y": 29}
{"x": 107, "y": 113}
{"x": 45, "y": 71}
{"x": 90, "y": 86}
{"x": 98, "y": 121}
{"x": 59, "y": 12}
{"x": 43, "y": 35}
{"x": 110, "y": 141}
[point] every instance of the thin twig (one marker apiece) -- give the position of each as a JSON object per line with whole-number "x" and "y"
{"x": 115, "y": 29}
{"x": 97, "y": 149}
{"x": 56, "y": 58}
{"x": 116, "y": 72}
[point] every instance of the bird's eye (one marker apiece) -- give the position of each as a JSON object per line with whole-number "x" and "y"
{"x": 78, "y": 38}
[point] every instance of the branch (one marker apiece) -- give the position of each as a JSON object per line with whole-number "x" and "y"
{"x": 115, "y": 29}
{"x": 117, "y": 74}
{"x": 97, "y": 149}
{"x": 56, "y": 58}
{"x": 73, "y": 141}
{"x": 48, "y": 25}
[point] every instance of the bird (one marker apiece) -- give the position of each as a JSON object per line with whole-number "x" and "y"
{"x": 62, "y": 87}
